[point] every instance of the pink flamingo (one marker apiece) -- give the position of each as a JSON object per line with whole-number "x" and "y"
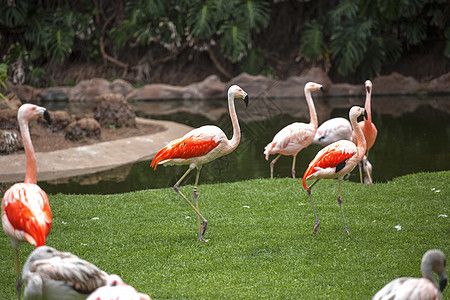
{"x": 336, "y": 160}
{"x": 200, "y": 146}
{"x": 418, "y": 288}
{"x": 293, "y": 138}
{"x": 26, "y": 214}
{"x": 53, "y": 275}
{"x": 117, "y": 291}
{"x": 368, "y": 128}
{"x": 333, "y": 130}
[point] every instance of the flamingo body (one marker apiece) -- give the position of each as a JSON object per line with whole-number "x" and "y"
{"x": 117, "y": 292}
{"x": 295, "y": 137}
{"x": 418, "y": 288}
{"x": 333, "y": 130}
{"x": 200, "y": 146}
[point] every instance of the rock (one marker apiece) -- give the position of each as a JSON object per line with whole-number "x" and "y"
{"x": 122, "y": 87}
{"x": 255, "y": 86}
{"x": 156, "y": 91}
{"x": 114, "y": 110}
{"x": 87, "y": 90}
{"x": 84, "y": 128}
{"x": 10, "y": 141}
{"x": 395, "y": 84}
{"x": 13, "y": 102}
{"x": 440, "y": 84}
{"x": 60, "y": 120}
{"x": 210, "y": 88}
{"x": 345, "y": 89}
{"x": 8, "y": 119}
{"x": 54, "y": 94}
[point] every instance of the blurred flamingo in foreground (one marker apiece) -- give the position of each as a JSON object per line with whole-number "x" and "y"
{"x": 293, "y": 138}
{"x": 26, "y": 214}
{"x": 53, "y": 275}
{"x": 368, "y": 128}
{"x": 418, "y": 288}
{"x": 120, "y": 291}
{"x": 336, "y": 160}
{"x": 200, "y": 146}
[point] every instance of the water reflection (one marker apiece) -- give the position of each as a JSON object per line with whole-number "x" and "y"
{"x": 413, "y": 136}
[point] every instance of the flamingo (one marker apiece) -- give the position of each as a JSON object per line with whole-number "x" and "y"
{"x": 117, "y": 291}
{"x": 336, "y": 160}
{"x": 418, "y": 288}
{"x": 200, "y": 146}
{"x": 25, "y": 211}
{"x": 368, "y": 128}
{"x": 54, "y": 275}
{"x": 293, "y": 138}
{"x": 333, "y": 130}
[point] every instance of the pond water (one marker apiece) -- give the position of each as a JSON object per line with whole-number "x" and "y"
{"x": 413, "y": 136}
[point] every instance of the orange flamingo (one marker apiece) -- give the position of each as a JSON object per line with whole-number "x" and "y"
{"x": 26, "y": 214}
{"x": 293, "y": 138}
{"x": 200, "y": 146}
{"x": 368, "y": 128}
{"x": 337, "y": 160}
{"x": 418, "y": 288}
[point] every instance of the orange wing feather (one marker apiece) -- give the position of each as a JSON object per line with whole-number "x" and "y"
{"x": 23, "y": 218}
{"x": 184, "y": 149}
{"x": 328, "y": 157}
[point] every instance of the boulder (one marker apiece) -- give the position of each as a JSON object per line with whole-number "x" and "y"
{"x": 60, "y": 120}
{"x": 156, "y": 91}
{"x": 440, "y": 84}
{"x": 8, "y": 119}
{"x": 114, "y": 110}
{"x": 87, "y": 90}
{"x": 120, "y": 86}
{"x": 345, "y": 89}
{"x": 10, "y": 141}
{"x": 54, "y": 94}
{"x": 13, "y": 102}
{"x": 210, "y": 88}
{"x": 395, "y": 84}
{"x": 255, "y": 86}
{"x": 81, "y": 129}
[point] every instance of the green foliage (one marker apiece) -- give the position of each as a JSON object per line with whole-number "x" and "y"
{"x": 361, "y": 36}
{"x": 261, "y": 242}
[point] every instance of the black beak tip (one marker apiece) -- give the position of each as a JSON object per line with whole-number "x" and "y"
{"x": 47, "y": 117}
{"x": 368, "y": 89}
{"x": 365, "y": 115}
{"x": 322, "y": 89}
{"x": 246, "y": 100}
{"x": 442, "y": 284}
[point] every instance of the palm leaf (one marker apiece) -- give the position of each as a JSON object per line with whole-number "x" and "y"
{"x": 312, "y": 43}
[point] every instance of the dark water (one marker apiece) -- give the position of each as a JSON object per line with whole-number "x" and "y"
{"x": 413, "y": 136}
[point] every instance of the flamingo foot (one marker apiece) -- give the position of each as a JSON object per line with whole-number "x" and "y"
{"x": 204, "y": 224}
{"x": 293, "y": 173}
{"x": 346, "y": 231}
{"x": 201, "y": 239}
{"x": 18, "y": 287}
{"x": 316, "y": 227}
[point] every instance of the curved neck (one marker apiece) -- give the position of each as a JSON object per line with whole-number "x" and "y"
{"x": 234, "y": 142}
{"x": 31, "y": 169}
{"x": 360, "y": 139}
{"x": 312, "y": 109}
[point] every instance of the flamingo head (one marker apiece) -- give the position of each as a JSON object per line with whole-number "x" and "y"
{"x": 236, "y": 91}
{"x": 435, "y": 259}
{"x": 368, "y": 85}
{"x": 357, "y": 111}
{"x": 312, "y": 86}
{"x": 30, "y": 112}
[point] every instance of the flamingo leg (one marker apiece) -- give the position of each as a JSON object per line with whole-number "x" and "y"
{"x": 176, "y": 187}
{"x": 360, "y": 173}
{"x": 201, "y": 228}
{"x": 293, "y": 166}
{"x": 19, "y": 280}
{"x": 368, "y": 173}
{"x": 272, "y": 164}
{"x": 308, "y": 191}
{"x": 340, "y": 205}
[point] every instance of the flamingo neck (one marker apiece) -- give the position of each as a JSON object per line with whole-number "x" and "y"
{"x": 312, "y": 109}
{"x": 367, "y": 107}
{"x": 234, "y": 142}
{"x": 31, "y": 169}
{"x": 360, "y": 139}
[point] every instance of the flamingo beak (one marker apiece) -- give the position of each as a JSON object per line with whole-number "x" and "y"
{"x": 365, "y": 115}
{"x": 246, "y": 100}
{"x": 442, "y": 281}
{"x": 368, "y": 89}
{"x": 47, "y": 117}
{"x": 322, "y": 89}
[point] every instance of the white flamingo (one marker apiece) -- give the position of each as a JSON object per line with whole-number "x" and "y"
{"x": 200, "y": 146}
{"x": 418, "y": 288}
{"x": 333, "y": 130}
{"x": 293, "y": 138}
{"x": 53, "y": 275}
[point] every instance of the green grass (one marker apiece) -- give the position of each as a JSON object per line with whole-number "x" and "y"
{"x": 261, "y": 242}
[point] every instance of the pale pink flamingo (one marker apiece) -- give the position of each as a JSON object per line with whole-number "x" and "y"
{"x": 117, "y": 291}
{"x": 368, "y": 128}
{"x": 293, "y": 138}
{"x": 333, "y": 130}
{"x": 200, "y": 146}
{"x": 26, "y": 214}
{"x": 53, "y": 275}
{"x": 336, "y": 160}
{"x": 418, "y": 288}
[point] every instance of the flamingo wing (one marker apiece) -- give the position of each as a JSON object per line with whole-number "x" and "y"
{"x": 330, "y": 160}
{"x": 193, "y": 144}
{"x": 291, "y": 139}
{"x": 27, "y": 209}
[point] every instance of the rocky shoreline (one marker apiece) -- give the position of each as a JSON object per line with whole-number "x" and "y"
{"x": 212, "y": 88}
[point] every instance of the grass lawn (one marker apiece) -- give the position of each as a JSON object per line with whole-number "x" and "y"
{"x": 261, "y": 242}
